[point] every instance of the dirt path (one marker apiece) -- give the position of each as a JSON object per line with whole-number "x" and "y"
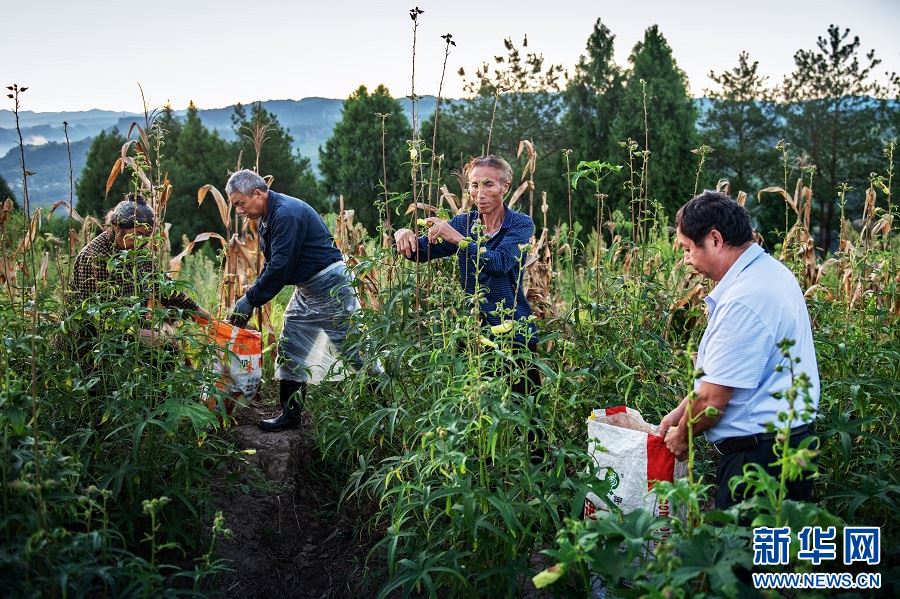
{"x": 289, "y": 540}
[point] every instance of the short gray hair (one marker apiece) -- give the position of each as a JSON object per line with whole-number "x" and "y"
{"x": 131, "y": 212}
{"x": 244, "y": 182}
{"x": 491, "y": 161}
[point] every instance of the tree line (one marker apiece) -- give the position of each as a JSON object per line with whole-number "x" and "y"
{"x": 831, "y": 112}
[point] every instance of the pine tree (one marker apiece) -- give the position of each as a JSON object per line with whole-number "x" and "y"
{"x": 670, "y": 134}
{"x": 193, "y": 156}
{"x": 835, "y": 112}
{"x": 740, "y": 125}
{"x": 91, "y": 186}
{"x": 592, "y": 99}
{"x": 351, "y": 161}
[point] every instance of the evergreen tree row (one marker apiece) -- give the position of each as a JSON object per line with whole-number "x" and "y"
{"x": 830, "y": 112}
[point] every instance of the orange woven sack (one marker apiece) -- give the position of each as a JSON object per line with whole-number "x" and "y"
{"x": 239, "y": 361}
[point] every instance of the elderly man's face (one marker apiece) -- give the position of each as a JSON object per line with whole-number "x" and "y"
{"x": 487, "y": 188}
{"x": 251, "y": 205}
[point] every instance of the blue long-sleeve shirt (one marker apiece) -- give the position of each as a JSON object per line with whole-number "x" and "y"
{"x": 296, "y": 244}
{"x": 500, "y": 265}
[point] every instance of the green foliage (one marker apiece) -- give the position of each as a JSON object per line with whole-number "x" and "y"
{"x": 835, "y": 112}
{"x": 670, "y": 135}
{"x": 351, "y": 161}
{"x": 701, "y": 551}
{"x": 108, "y": 452}
{"x": 91, "y": 185}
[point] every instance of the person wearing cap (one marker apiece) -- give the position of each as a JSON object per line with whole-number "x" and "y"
{"x": 755, "y": 305}
{"x": 299, "y": 250}
{"x": 487, "y": 242}
{"x": 99, "y": 275}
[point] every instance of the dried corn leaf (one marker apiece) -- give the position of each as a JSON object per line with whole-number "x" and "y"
{"x": 45, "y": 264}
{"x": 816, "y": 288}
{"x": 8, "y": 270}
{"x": 869, "y": 205}
{"x": 450, "y": 198}
{"x": 525, "y": 186}
{"x": 114, "y": 173}
{"x": 224, "y": 209}
{"x": 135, "y": 167}
{"x": 784, "y": 194}
{"x": 239, "y": 253}
{"x": 71, "y": 211}
{"x": 175, "y": 263}
{"x": 693, "y": 295}
{"x": 824, "y": 266}
{"x": 883, "y": 225}
{"x": 123, "y": 152}
{"x": 531, "y": 163}
{"x": 804, "y": 200}
{"x": 33, "y": 226}
{"x": 845, "y": 282}
{"x": 724, "y": 186}
{"x": 165, "y": 193}
{"x": 144, "y": 138}
{"x": 6, "y": 209}
{"x": 421, "y": 206}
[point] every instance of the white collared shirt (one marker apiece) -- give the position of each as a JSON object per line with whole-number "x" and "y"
{"x": 756, "y": 305}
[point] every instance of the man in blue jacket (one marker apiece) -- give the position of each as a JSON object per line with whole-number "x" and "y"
{"x": 299, "y": 250}
{"x": 488, "y": 245}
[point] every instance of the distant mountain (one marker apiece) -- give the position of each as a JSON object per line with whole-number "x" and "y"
{"x": 309, "y": 121}
{"x": 50, "y": 164}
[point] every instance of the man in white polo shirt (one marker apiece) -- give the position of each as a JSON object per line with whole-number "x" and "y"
{"x": 755, "y": 305}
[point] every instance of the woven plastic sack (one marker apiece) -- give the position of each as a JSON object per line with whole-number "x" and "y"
{"x": 620, "y": 439}
{"x": 239, "y": 361}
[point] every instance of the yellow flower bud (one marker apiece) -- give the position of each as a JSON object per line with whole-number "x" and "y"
{"x": 502, "y": 328}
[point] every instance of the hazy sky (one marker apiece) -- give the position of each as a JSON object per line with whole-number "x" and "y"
{"x": 80, "y": 54}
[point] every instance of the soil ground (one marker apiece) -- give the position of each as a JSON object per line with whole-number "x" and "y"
{"x": 290, "y": 539}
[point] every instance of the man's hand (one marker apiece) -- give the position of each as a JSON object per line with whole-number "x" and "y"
{"x": 676, "y": 441}
{"x": 407, "y": 242}
{"x": 241, "y": 312}
{"x": 672, "y": 418}
{"x": 441, "y": 230}
{"x": 669, "y": 420}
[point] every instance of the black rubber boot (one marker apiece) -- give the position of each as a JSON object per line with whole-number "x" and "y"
{"x": 292, "y": 394}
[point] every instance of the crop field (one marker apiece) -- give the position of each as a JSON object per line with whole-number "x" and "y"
{"x": 119, "y": 459}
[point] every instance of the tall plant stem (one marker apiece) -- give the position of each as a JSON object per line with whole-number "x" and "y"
{"x": 571, "y": 240}
{"x": 437, "y": 114}
{"x": 35, "y": 411}
{"x": 645, "y": 172}
{"x": 387, "y": 209}
{"x": 414, "y": 147}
